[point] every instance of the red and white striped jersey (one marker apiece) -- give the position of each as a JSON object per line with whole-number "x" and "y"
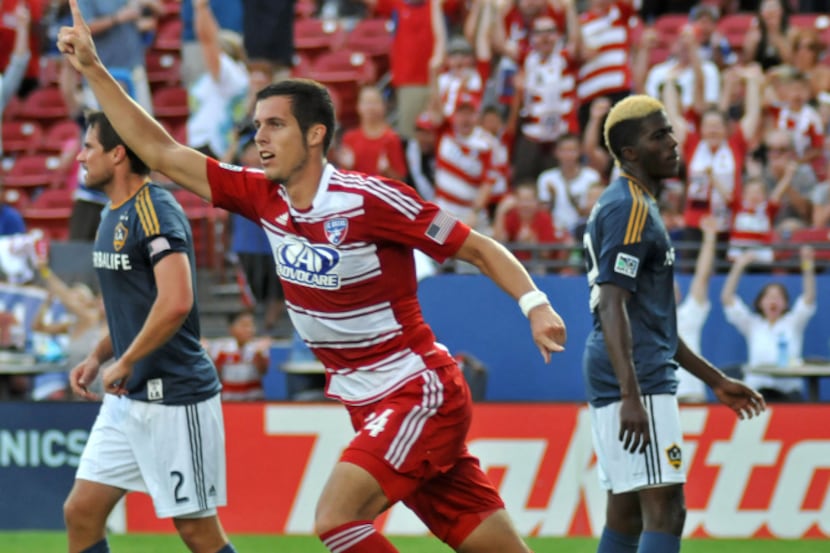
{"x": 753, "y": 227}
{"x": 549, "y": 108}
{"x": 240, "y": 378}
{"x": 463, "y": 164}
{"x": 347, "y": 270}
{"x": 608, "y": 33}
{"x": 804, "y": 124}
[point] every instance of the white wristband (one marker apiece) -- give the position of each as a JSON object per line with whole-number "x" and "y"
{"x": 532, "y": 299}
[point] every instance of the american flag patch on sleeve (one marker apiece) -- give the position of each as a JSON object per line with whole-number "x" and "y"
{"x": 440, "y": 227}
{"x": 158, "y": 245}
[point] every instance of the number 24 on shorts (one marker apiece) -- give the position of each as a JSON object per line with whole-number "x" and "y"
{"x": 376, "y": 423}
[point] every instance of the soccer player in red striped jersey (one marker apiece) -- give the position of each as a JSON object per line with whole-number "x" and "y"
{"x": 343, "y": 244}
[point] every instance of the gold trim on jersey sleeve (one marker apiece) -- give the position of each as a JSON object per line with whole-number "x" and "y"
{"x": 147, "y": 213}
{"x": 637, "y": 216}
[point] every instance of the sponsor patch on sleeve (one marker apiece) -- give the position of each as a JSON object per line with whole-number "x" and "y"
{"x": 626, "y": 265}
{"x": 231, "y": 167}
{"x": 440, "y": 227}
{"x": 158, "y": 245}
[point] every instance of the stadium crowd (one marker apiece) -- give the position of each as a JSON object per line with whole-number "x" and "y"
{"x": 491, "y": 108}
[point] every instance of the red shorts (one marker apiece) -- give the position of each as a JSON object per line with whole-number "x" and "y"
{"x": 412, "y": 443}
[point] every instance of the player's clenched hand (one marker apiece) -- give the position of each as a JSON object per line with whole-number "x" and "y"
{"x": 548, "y": 330}
{"x": 82, "y": 375}
{"x": 75, "y": 42}
{"x": 739, "y": 397}
{"x": 116, "y": 376}
{"x": 634, "y": 432}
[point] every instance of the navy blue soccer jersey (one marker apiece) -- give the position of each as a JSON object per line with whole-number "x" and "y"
{"x": 626, "y": 244}
{"x": 132, "y": 237}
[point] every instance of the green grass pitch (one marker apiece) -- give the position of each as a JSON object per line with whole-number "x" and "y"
{"x": 55, "y": 542}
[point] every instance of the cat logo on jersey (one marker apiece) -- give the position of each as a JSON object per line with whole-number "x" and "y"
{"x": 119, "y": 237}
{"x": 336, "y": 230}
{"x": 675, "y": 456}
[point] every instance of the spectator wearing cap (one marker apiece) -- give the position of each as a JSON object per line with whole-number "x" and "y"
{"x": 464, "y": 172}
{"x": 545, "y": 107}
{"x": 461, "y": 75}
{"x": 419, "y": 152}
{"x": 714, "y": 46}
{"x": 373, "y": 147}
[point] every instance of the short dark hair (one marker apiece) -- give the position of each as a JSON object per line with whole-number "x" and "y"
{"x": 236, "y": 315}
{"x": 310, "y": 104}
{"x": 623, "y": 125}
{"x": 757, "y": 303}
{"x": 109, "y": 139}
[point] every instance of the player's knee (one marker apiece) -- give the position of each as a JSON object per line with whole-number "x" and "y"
{"x": 200, "y": 535}
{"x": 668, "y": 517}
{"x": 78, "y": 514}
{"x": 327, "y": 519}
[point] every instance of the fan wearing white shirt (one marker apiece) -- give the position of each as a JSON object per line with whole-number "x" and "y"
{"x": 775, "y": 332}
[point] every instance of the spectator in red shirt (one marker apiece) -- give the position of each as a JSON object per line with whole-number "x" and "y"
{"x": 522, "y": 220}
{"x": 412, "y": 49}
{"x": 373, "y": 147}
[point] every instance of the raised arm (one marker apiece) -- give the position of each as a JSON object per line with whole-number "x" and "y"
{"x": 727, "y": 295}
{"x": 699, "y": 289}
{"x": 207, "y": 33}
{"x": 146, "y": 137}
{"x": 16, "y": 69}
{"x": 598, "y": 157}
{"x": 494, "y": 261}
{"x": 671, "y": 100}
{"x": 751, "y": 120}
{"x": 808, "y": 275}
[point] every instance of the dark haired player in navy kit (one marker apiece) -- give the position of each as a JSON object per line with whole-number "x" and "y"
{"x": 633, "y": 351}
{"x": 160, "y": 427}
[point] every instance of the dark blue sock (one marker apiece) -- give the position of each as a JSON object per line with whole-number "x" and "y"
{"x": 227, "y": 549}
{"x": 614, "y": 542}
{"x": 100, "y": 547}
{"x": 659, "y": 542}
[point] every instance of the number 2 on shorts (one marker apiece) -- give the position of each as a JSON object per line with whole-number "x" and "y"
{"x": 180, "y": 480}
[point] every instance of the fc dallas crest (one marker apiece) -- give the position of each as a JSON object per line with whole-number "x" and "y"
{"x": 336, "y": 230}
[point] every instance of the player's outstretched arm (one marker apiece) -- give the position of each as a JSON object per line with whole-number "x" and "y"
{"x": 496, "y": 262}
{"x": 143, "y": 134}
{"x": 736, "y": 395}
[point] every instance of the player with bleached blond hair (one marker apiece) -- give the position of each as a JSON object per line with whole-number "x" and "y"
{"x": 633, "y": 351}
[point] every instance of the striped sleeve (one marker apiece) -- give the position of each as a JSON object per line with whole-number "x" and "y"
{"x": 637, "y": 215}
{"x": 146, "y": 211}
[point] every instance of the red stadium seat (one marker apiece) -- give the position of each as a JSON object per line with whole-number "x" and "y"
{"x": 734, "y": 27}
{"x": 170, "y": 104}
{"x": 814, "y": 236}
{"x": 304, "y": 9}
{"x": 302, "y": 65}
{"x": 12, "y": 109}
{"x": 45, "y": 105}
{"x": 21, "y": 137}
{"x": 345, "y": 72}
{"x": 206, "y": 223}
{"x": 53, "y": 221}
{"x": 163, "y": 68}
{"x": 315, "y": 36}
{"x": 373, "y": 37}
{"x": 58, "y": 136}
{"x": 52, "y": 198}
{"x": 34, "y": 171}
{"x": 169, "y": 36}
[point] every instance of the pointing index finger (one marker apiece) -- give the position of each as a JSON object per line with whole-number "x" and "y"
{"x": 77, "y": 18}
